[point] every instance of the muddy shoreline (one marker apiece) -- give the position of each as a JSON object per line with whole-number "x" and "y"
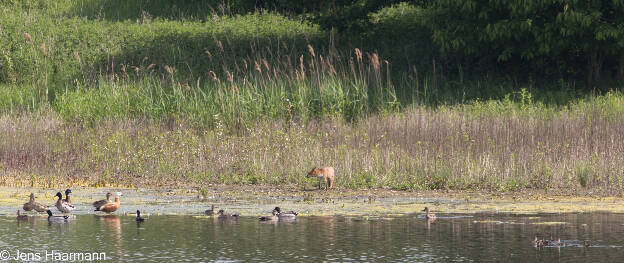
{"x": 260, "y": 200}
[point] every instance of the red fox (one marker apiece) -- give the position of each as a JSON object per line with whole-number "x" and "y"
{"x": 323, "y": 174}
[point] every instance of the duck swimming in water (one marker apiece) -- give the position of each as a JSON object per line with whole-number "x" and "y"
{"x": 56, "y": 218}
{"x": 34, "y": 205}
{"x": 211, "y": 211}
{"x": 138, "y": 217}
{"x": 272, "y": 217}
{"x": 20, "y": 216}
{"x": 223, "y": 215}
{"x": 285, "y": 215}
{"x": 62, "y": 205}
{"x": 427, "y": 214}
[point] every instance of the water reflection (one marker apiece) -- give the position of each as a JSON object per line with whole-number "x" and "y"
{"x": 484, "y": 237}
{"x": 112, "y": 226}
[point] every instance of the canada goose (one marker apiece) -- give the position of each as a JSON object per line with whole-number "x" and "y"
{"x": 99, "y": 204}
{"x": 62, "y": 205}
{"x": 223, "y": 215}
{"x": 138, "y": 217}
{"x": 20, "y": 216}
{"x": 211, "y": 211}
{"x": 289, "y": 214}
{"x": 272, "y": 217}
{"x": 112, "y": 206}
{"x": 34, "y": 205}
{"x": 429, "y": 215}
{"x": 56, "y": 218}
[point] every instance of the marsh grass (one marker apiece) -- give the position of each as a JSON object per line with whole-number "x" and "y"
{"x": 490, "y": 146}
{"x": 91, "y": 96}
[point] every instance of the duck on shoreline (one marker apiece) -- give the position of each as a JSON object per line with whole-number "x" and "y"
{"x": 100, "y": 203}
{"x": 62, "y": 205}
{"x": 33, "y": 205}
{"x": 112, "y": 206}
{"x": 67, "y": 198}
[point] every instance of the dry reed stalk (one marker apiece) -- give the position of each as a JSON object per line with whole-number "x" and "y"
{"x": 77, "y": 56}
{"x": 218, "y": 43}
{"x": 311, "y": 50}
{"x": 302, "y": 68}
{"x": 257, "y": 66}
{"x": 43, "y": 49}
{"x": 358, "y": 55}
{"x": 169, "y": 70}
{"x": 28, "y": 38}
{"x": 266, "y": 65}
{"x": 374, "y": 58}
{"x": 214, "y": 76}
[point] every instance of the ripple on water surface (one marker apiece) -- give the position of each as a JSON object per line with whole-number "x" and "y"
{"x": 482, "y": 237}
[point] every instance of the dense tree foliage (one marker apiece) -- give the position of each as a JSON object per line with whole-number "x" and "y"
{"x": 563, "y": 38}
{"x": 556, "y": 39}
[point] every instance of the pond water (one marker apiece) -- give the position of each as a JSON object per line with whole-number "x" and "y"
{"x": 408, "y": 238}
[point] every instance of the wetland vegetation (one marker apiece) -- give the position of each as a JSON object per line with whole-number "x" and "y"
{"x": 117, "y": 93}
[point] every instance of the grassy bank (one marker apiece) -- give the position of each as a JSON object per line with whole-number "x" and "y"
{"x": 493, "y": 146}
{"x": 207, "y": 63}
{"x": 205, "y": 93}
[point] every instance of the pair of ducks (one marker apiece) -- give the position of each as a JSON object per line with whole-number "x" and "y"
{"x": 107, "y": 205}
{"x": 220, "y": 213}
{"x": 542, "y": 243}
{"x": 545, "y": 242}
{"x": 277, "y": 214}
{"x": 63, "y": 205}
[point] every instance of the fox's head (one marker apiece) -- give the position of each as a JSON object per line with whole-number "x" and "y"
{"x": 314, "y": 172}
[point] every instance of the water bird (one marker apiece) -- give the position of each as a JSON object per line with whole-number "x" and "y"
{"x": 99, "y": 204}
{"x": 67, "y": 198}
{"x": 289, "y": 214}
{"x": 429, "y": 215}
{"x": 138, "y": 217}
{"x": 56, "y": 218}
{"x": 62, "y": 205}
{"x": 34, "y": 205}
{"x": 211, "y": 211}
{"x": 112, "y": 206}
{"x": 223, "y": 215}
{"x": 538, "y": 242}
{"x": 272, "y": 217}
{"x": 20, "y": 216}
{"x": 586, "y": 243}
